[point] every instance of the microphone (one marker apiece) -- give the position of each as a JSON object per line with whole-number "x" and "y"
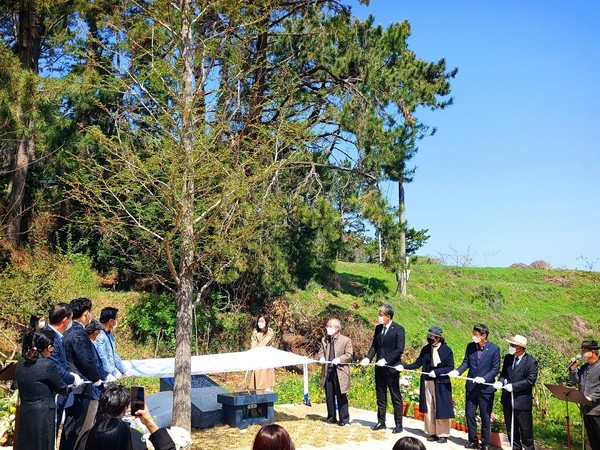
{"x": 573, "y": 360}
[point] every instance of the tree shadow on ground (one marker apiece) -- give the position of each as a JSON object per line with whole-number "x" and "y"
{"x": 357, "y": 285}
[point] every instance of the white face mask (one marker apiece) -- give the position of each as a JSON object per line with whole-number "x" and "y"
{"x": 380, "y": 319}
{"x": 70, "y": 325}
{"x": 41, "y": 324}
{"x": 586, "y": 356}
{"x": 330, "y": 331}
{"x": 476, "y": 339}
{"x": 115, "y": 325}
{"x": 512, "y": 350}
{"x": 261, "y": 325}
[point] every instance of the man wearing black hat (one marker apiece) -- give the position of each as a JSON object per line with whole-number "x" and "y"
{"x": 435, "y": 394}
{"x": 588, "y": 378}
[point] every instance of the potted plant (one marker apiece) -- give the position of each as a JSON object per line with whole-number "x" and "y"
{"x": 497, "y": 426}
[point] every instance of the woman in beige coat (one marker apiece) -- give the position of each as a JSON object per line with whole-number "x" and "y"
{"x": 335, "y": 375}
{"x": 262, "y": 335}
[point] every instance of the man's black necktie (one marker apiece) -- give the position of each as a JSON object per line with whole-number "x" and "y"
{"x": 331, "y": 354}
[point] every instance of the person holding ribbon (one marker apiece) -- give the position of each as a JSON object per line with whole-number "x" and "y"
{"x": 335, "y": 352}
{"x": 388, "y": 345}
{"x": 262, "y": 335}
{"x": 435, "y": 395}
{"x": 482, "y": 358}
{"x": 518, "y": 376}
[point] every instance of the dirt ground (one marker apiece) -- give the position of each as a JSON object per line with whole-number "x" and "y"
{"x": 308, "y": 431}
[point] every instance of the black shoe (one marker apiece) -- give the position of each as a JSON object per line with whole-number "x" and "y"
{"x": 345, "y": 423}
{"x": 397, "y": 430}
{"x": 331, "y": 420}
{"x": 432, "y": 438}
{"x": 379, "y": 426}
{"x": 472, "y": 445}
{"x": 442, "y": 440}
{"x": 485, "y": 447}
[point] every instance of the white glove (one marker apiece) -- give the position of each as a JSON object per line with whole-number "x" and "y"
{"x": 498, "y": 385}
{"x": 322, "y": 359}
{"x": 110, "y": 378}
{"x": 432, "y": 374}
{"x": 508, "y": 387}
{"x": 382, "y": 362}
{"x": 479, "y": 380}
{"x": 118, "y": 375}
{"x": 97, "y": 383}
{"x": 335, "y": 361}
{"x": 128, "y": 373}
{"x": 399, "y": 367}
{"x": 364, "y": 362}
{"x": 78, "y": 380}
{"x": 453, "y": 373}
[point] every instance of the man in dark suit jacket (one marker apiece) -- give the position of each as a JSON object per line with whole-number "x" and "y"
{"x": 482, "y": 358}
{"x": 518, "y": 376}
{"x": 60, "y": 317}
{"x": 80, "y": 360}
{"x": 388, "y": 345}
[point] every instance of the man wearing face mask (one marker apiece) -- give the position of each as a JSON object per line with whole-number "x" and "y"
{"x": 588, "y": 379}
{"x": 388, "y": 345}
{"x": 518, "y": 376}
{"x": 335, "y": 352}
{"x": 105, "y": 344}
{"x": 435, "y": 395}
{"x": 80, "y": 359}
{"x": 482, "y": 358}
{"x": 60, "y": 317}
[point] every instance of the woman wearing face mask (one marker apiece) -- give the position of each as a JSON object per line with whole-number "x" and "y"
{"x": 588, "y": 379}
{"x": 435, "y": 397}
{"x": 35, "y": 323}
{"x": 38, "y": 381}
{"x": 262, "y": 335}
{"x": 335, "y": 352}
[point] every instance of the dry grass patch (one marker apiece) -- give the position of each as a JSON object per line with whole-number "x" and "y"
{"x": 305, "y": 425}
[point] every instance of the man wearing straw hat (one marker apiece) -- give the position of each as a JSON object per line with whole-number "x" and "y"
{"x": 517, "y": 378}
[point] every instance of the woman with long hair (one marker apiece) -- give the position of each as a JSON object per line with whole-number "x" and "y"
{"x": 38, "y": 382}
{"x": 262, "y": 335}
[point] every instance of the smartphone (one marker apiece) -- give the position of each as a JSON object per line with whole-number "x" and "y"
{"x": 137, "y": 399}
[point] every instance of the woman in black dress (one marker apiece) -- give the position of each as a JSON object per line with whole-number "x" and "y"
{"x": 38, "y": 381}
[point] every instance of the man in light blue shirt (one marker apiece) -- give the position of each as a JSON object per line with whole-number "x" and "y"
{"x": 105, "y": 344}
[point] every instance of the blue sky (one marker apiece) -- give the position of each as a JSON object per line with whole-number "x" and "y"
{"x": 513, "y": 172}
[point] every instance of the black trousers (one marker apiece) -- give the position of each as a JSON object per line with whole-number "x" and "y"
{"x": 333, "y": 394}
{"x": 477, "y": 400}
{"x": 74, "y": 419}
{"x": 386, "y": 379}
{"x": 523, "y": 428}
{"x": 592, "y": 428}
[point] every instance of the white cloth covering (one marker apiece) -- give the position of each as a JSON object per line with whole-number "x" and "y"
{"x": 257, "y": 358}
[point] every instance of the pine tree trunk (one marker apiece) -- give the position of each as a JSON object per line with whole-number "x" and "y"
{"x": 182, "y": 408}
{"x": 28, "y": 44}
{"x": 403, "y": 275}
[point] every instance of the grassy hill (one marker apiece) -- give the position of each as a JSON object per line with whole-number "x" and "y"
{"x": 556, "y": 308}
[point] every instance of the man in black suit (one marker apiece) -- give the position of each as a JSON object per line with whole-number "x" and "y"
{"x": 388, "y": 345}
{"x": 482, "y": 358}
{"x": 518, "y": 376}
{"x": 60, "y": 317}
{"x": 80, "y": 360}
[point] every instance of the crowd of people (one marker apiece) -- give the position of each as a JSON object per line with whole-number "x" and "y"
{"x": 515, "y": 378}
{"x": 70, "y": 364}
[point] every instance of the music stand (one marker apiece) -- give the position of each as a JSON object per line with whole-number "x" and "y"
{"x": 568, "y": 394}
